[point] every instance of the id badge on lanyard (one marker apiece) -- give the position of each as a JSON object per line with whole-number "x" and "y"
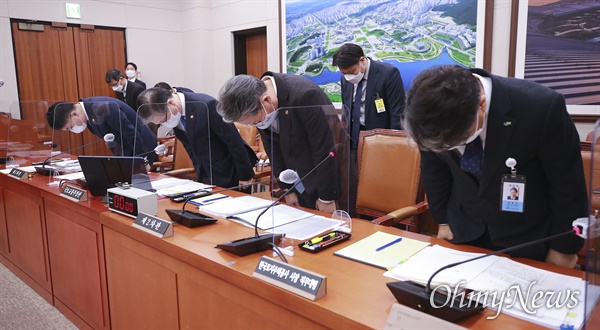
{"x": 512, "y": 189}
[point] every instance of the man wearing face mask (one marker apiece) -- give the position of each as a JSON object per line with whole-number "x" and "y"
{"x": 296, "y": 139}
{"x": 126, "y": 91}
{"x": 103, "y": 115}
{"x": 372, "y": 91}
{"x": 131, "y": 72}
{"x": 467, "y": 124}
{"x": 220, "y": 155}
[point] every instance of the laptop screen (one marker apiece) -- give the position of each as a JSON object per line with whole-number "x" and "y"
{"x": 104, "y": 172}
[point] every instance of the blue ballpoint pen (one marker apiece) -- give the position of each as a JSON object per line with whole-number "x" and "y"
{"x": 214, "y": 199}
{"x": 388, "y": 244}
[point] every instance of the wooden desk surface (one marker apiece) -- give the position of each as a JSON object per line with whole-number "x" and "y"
{"x": 357, "y": 296}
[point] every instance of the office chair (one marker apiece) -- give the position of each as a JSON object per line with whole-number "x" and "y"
{"x": 390, "y": 187}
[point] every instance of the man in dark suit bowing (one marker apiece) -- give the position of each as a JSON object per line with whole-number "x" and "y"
{"x": 103, "y": 115}
{"x": 472, "y": 127}
{"x": 372, "y": 91}
{"x": 219, "y": 154}
{"x": 126, "y": 91}
{"x": 289, "y": 111}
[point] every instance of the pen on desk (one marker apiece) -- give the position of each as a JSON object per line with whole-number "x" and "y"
{"x": 321, "y": 238}
{"x": 214, "y": 199}
{"x": 388, "y": 244}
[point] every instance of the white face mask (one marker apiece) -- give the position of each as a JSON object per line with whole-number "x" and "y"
{"x": 118, "y": 88}
{"x": 354, "y": 78}
{"x": 174, "y": 120}
{"x": 269, "y": 118}
{"x": 78, "y": 128}
{"x": 130, "y": 74}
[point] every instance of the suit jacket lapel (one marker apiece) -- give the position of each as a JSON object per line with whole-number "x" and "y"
{"x": 498, "y": 133}
{"x": 373, "y": 80}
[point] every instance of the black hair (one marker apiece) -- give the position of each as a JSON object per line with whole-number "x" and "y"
{"x": 347, "y": 55}
{"x": 113, "y": 74}
{"x": 58, "y": 114}
{"x": 132, "y": 64}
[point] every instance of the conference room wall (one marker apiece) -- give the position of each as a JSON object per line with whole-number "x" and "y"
{"x": 189, "y": 43}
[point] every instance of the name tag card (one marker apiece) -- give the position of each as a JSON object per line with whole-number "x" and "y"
{"x": 18, "y": 174}
{"x": 153, "y": 225}
{"x": 294, "y": 279}
{"x": 74, "y": 194}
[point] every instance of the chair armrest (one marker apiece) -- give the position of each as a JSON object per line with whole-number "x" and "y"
{"x": 401, "y": 214}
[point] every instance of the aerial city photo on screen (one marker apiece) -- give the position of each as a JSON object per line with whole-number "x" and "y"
{"x": 409, "y": 34}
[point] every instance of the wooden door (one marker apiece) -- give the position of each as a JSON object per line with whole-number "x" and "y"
{"x": 256, "y": 54}
{"x": 64, "y": 63}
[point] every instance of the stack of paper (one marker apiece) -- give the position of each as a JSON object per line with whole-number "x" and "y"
{"x": 502, "y": 284}
{"x": 175, "y": 186}
{"x": 234, "y": 206}
{"x": 365, "y": 250}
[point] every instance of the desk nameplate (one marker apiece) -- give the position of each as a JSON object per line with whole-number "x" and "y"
{"x": 18, "y": 174}
{"x": 153, "y": 225}
{"x": 74, "y": 194}
{"x": 291, "y": 278}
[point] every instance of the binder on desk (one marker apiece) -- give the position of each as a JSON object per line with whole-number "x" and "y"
{"x": 365, "y": 250}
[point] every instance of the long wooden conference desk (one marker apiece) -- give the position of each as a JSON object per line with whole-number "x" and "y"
{"x": 103, "y": 273}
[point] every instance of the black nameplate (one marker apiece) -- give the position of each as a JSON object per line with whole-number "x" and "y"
{"x": 18, "y": 174}
{"x": 153, "y": 225}
{"x": 75, "y": 194}
{"x": 294, "y": 279}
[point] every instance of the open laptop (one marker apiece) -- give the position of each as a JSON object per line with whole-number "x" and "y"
{"x": 104, "y": 172}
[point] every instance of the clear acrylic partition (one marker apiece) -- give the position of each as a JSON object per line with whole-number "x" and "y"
{"x": 105, "y": 134}
{"x": 592, "y": 265}
{"x": 306, "y": 139}
{"x": 200, "y": 134}
{"x": 26, "y": 136}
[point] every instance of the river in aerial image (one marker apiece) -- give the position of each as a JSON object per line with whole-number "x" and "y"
{"x": 408, "y": 70}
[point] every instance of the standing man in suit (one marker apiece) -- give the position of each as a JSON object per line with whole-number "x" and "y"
{"x": 297, "y": 138}
{"x": 126, "y": 91}
{"x": 380, "y": 99}
{"x": 103, "y": 115}
{"x": 219, "y": 154}
{"x": 132, "y": 74}
{"x": 468, "y": 123}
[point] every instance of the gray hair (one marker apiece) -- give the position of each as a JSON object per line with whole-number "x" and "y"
{"x": 152, "y": 102}
{"x": 240, "y": 96}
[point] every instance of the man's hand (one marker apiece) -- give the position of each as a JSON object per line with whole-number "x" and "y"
{"x": 326, "y": 207}
{"x": 292, "y": 199}
{"x": 244, "y": 184}
{"x": 444, "y": 232}
{"x": 560, "y": 259}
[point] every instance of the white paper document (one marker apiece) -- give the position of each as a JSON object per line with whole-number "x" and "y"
{"x": 175, "y": 186}
{"x": 276, "y": 216}
{"x": 536, "y": 295}
{"x": 233, "y": 206}
{"x": 307, "y": 228}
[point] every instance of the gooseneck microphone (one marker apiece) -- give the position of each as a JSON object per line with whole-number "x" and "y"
{"x": 194, "y": 219}
{"x": 420, "y": 297}
{"x": 258, "y": 243}
{"x": 43, "y": 170}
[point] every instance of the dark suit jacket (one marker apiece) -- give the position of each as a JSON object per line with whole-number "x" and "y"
{"x": 305, "y": 137}
{"x": 133, "y": 90}
{"x": 384, "y": 81}
{"x": 108, "y": 115}
{"x": 529, "y": 123}
{"x": 215, "y": 147}
{"x": 139, "y": 82}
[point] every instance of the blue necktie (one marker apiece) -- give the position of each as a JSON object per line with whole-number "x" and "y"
{"x": 356, "y": 116}
{"x": 183, "y": 122}
{"x": 471, "y": 159}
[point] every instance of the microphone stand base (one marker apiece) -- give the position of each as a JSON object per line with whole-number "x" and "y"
{"x": 451, "y": 308}
{"x": 189, "y": 218}
{"x": 250, "y": 245}
{"x": 48, "y": 171}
